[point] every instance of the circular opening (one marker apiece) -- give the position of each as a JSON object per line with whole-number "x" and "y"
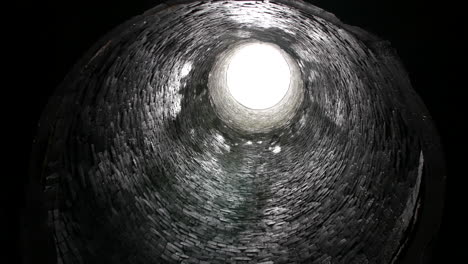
{"x": 258, "y": 76}
{"x": 255, "y": 86}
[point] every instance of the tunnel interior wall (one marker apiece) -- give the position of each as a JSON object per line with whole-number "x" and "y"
{"x": 138, "y": 166}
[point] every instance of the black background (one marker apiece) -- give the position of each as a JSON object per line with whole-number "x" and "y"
{"x": 50, "y": 36}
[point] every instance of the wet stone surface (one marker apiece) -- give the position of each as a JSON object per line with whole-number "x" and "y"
{"x": 140, "y": 168}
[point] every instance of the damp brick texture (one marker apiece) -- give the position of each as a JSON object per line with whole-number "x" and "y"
{"x": 138, "y": 167}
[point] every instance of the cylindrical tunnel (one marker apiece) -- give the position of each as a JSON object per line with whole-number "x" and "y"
{"x": 146, "y": 157}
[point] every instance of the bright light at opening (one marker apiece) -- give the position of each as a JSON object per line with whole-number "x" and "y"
{"x": 258, "y": 76}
